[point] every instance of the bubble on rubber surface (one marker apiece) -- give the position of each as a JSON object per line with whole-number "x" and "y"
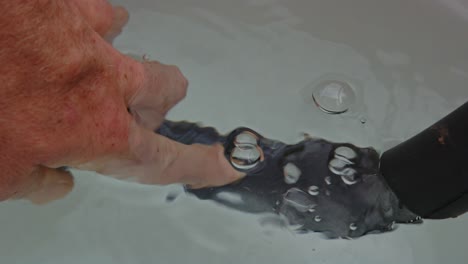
{"x": 245, "y": 138}
{"x": 298, "y": 199}
{"x": 318, "y": 218}
{"x": 349, "y": 179}
{"x": 313, "y": 190}
{"x": 345, "y": 152}
{"x": 337, "y": 166}
{"x": 291, "y": 173}
{"x": 245, "y": 157}
{"x": 333, "y": 96}
{"x": 353, "y": 227}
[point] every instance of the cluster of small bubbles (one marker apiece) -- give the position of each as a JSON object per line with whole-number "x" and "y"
{"x": 352, "y": 227}
{"x": 333, "y": 97}
{"x": 339, "y": 165}
{"x": 291, "y": 173}
{"x": 417, "y": 220}
{"x": 318, "y": 218}
{"x": 313, "y": 190}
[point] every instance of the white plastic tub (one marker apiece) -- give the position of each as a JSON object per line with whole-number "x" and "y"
{"x": 251, "y": 63}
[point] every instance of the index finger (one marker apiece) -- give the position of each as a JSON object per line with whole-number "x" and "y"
{"x": 154, "y": 159}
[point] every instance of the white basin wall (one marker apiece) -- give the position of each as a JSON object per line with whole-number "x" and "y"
{"x": 249, "y": 63}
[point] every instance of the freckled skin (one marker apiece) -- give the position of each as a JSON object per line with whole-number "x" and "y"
{"x": 65, "y": 97}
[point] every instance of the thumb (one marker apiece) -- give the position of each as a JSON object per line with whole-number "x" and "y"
{"x": 45, "y": 185}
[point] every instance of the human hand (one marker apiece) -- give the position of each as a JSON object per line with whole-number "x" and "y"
{"x": 68, "y": 98}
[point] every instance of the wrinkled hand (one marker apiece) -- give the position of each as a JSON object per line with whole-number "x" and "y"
{"x": 69, "y": 99}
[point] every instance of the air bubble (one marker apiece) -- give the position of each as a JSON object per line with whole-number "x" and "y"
{"x": 328, "y": 180}
{"x": 349, "y": 179}
{"x": 333, "y": 97}
{"x": 291, "y": 173}
{"x": 313, "y": 190}
{"x": 245, "y": 138}
{"x": 353, "y": 227}
{"x": 246, "y": 157}
{"x": 337, "y": 166}
{"x": 298, "y": 199}
{"x": 318, "y": 218}
{"x": 345, "y": 152}
{"x": 311, "y": 209}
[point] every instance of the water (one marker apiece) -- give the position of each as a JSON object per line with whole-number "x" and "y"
{"x": 247, "y": 62}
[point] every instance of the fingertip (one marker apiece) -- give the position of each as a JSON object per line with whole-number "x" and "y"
{"x": 121, "y": 16}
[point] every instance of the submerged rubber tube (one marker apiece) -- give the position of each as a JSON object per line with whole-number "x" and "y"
{"x": 429, "y": 172}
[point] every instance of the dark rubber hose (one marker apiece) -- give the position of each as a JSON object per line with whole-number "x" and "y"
{"x": 429, "y": 172}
